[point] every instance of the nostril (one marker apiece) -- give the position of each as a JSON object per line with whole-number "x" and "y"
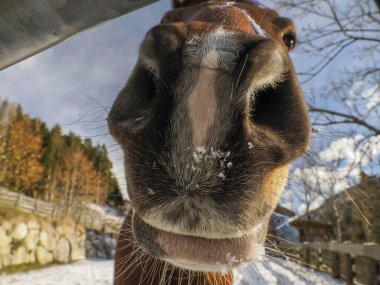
{"x": 133, "y": 105}
{"x": 242, "y": 53}
{"x": 146, "y": 87}
{"x": 261, "y": 64}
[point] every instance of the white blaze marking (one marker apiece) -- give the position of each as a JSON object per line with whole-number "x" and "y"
{"x": 202, "y": 101}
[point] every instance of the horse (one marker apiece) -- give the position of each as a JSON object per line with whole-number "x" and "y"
{"x": 209, "y": 122}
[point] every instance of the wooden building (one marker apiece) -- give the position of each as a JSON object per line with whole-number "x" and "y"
{"x": 313, "y": 231}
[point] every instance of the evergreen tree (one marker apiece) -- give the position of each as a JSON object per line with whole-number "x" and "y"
{"x": 54, "y": 151}
{"x": 103, "y": 167}
{"x": 114, "y": 196}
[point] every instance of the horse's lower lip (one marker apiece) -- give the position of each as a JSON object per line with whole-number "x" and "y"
{"x": 189, "y": 251}
{"x": 230, "y": 252}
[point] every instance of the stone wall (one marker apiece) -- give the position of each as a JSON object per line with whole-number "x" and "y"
{"x": 90, "y": 216}
{"x": 25, "y": 239}
{"x": 100, "y": 245}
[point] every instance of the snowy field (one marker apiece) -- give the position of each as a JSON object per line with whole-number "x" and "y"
{"x": 87, "y": 272}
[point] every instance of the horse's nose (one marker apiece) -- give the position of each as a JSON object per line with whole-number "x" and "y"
{"x": 263, "y": 63}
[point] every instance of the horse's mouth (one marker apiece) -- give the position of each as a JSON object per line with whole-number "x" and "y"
{"x": 198, "y": 253}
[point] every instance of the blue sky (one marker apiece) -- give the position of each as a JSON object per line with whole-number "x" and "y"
{"x": 75, "y": 82}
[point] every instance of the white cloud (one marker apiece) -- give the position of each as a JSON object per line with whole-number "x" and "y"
{"x": 343, "y": 148}
{"x": 373, "y": 96}
{"x": 341, "y": 165}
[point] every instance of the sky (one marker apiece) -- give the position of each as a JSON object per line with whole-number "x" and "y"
{"x": 75, "y": 82}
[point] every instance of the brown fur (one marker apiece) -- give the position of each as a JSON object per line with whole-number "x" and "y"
{"x": 196, "y": 187}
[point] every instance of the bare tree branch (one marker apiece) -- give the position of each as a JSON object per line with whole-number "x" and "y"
{"x": 350, "y": 119}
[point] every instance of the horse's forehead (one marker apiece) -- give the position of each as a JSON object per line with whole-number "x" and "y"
{"x": 229, "y": 17}
{"x": 234, "y": 17}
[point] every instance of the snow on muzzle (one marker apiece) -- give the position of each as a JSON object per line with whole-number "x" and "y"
{"x": 198, "y": 253}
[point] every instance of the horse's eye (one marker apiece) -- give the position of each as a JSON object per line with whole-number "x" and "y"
{"x": 289, "y": 40}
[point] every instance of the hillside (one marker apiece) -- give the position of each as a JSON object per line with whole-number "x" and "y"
{"x": 47, "y": 164}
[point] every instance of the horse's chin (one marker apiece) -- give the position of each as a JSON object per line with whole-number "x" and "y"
{"x": 199, "y": 253}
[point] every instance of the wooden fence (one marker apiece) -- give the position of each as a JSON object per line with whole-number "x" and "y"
{"x": 354, "y": 263}
{"x": 81, "y": 213}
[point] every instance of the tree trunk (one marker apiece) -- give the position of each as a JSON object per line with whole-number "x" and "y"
{"x": 53, "y": 186}
{"x": 73, "y": 185}
{"x": 339, "y": 220}
{"x": 66, "y": 193}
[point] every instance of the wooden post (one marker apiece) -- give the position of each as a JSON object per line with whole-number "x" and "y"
{"x": 19, "y": 196}
{"x": 319, "y": 257}
{"x": 345, "y": 268}
{"x": 335, "y": 264}
{"x": 79, "y": 217}
{"x": 305, "y": 254}
{"x": 314, "y": 258}
{"x": 370, "y": 272}
{"x": 53, "y": 212}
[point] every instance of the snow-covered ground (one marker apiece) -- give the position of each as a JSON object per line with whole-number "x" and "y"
{"x": 270, "y": 272}
{"x": 274, "y": 271}
{"x": 84, "y": 272}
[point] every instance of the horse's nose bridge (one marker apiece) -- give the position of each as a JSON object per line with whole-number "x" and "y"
{"x": 208, "y": 106}
{"x": 228, "y": 15}
{"x": 202, "y": 101}
{"x": 218, "y": 49}
{"x": 201, "y": 108}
